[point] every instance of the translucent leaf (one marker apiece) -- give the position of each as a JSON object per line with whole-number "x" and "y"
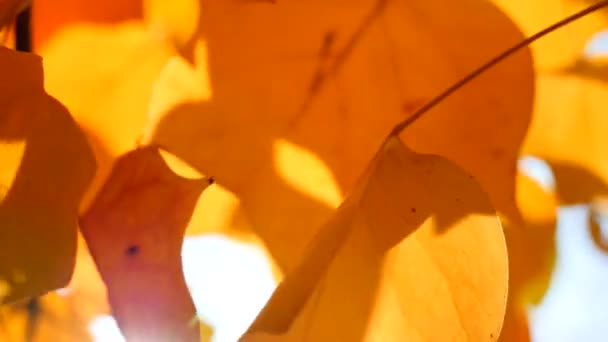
{"x": 531, "y": 246}
{"x": 564, "y": 46}
{"x": 332, "y": 78}
{"x": 46, "y": 167}
{"x": 568, "y": 131}
{"x": 110, "y": 99}
{"x": 134, "y": 230}
{"x": 416, "y": 253}
{"x": 177, "y": 20}
{"x": 51, "y": 17}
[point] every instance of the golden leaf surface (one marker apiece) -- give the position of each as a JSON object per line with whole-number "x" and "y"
{"x": 332, "y": 79}
{"x": 110, "y": 100}
{"x": 134, "y": 230}
{"x": 415, "y": 247}
{"x": 46, "y": 168}
{"x": 531, "y": 247}
{"x": 568, "y": 122}
{"x": 568, "y": 132}
{"x": 50, "y": 17}
{"x": 564, "y": 46}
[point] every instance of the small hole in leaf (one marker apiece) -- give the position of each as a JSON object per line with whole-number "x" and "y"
{"x": 132, "y": 250}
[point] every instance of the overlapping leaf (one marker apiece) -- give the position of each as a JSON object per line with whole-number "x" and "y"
{"x": 134, "y": 230}
{"x": 332, "y": 79}
{"x": 46, "y": 167}
{"x": 417, "y": 246}
{"x": 110, "y": 99}
{"x": 50, "y": 17}
{"x": 316, "y": 86}
{"x": 560, "y": 48}
{"x": 568, "y": 124}
{"x": 531, "y": 248}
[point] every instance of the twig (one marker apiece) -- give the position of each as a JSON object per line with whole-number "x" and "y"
{"x": 477, "y": 72}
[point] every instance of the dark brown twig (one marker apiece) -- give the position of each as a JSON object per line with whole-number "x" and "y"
{"x": 456, "y": 86}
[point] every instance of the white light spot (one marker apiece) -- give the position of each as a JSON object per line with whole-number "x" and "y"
{"x": 103, "y": 328}
{"x": 597, "y": 45}
{"x": 229, "y": 281}
{"x": 538, "y": 170}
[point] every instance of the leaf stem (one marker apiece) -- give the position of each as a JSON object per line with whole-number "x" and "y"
{"x": 499, "y": 58}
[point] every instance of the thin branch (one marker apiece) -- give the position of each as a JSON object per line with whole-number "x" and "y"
{"x": 456, "y": 86}
{"x": 324, "y": 71}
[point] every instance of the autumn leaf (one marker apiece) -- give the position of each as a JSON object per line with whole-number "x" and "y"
{"x": 568, "y": 132}
{"x": 332, "y": 80}
{"x": 47, "y": 318}
{"x": 560, "y": 48}
{"x": 177, "y": 21}
{"x": 110, "y": 100}
{"x": 531, "y": 247}
{"x": 286, "y": 103}
{"x": 416, "y": 227}
{"x": 9, "y": 10}
{"x": 46, "y": 167}
{"x": 568, "y": 122}
{"x": 134, "y": 230}
{"x": 51, "y": 17}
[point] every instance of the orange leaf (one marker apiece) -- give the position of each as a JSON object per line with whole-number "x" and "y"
{"x": 134, "y": 230}
{"x": 568, "y": 131}
{"x": 46, "y": 167}
{"x": 564, "y": 46}
{"x": 332, "y": 79}
{"x": 49, "y": 17}
{"x": 416, "y": 253}
{"x": 531, "y": 247}
{"x": 110, "y": 100}
{"x": 9, "y": 10}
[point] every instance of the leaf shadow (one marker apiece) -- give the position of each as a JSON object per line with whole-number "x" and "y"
{"x": 288, "y": 221}
{"x": 233, "y": 135}
{"x": 576, "y": 184}
{"x": 587, "y": 68}
{"x": 532, "y": 253}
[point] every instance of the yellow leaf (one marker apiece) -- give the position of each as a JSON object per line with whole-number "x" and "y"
{"x": 568, "y": 122}
{"x": 332, "y": 79}
{"x": 568, "y": 131}
{"x": 564, "y": 46}
{"x": 177, "y": 20}
{"x": 416, "y": 253}
{"x": 110, "y": 99}
{"x": 135, "y": 230}
{"x": 46, "y": 167}
{"x": 47, "y": 318}
{"x": 531, "y": 247}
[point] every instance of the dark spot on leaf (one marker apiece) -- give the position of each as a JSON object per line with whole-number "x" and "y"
{"x": 491, "y": 335}
{"x": 132, "y": 250}
{"x": 211, "y": 180}
{"x": 327, "y": 44}
{"x": 413, "y": 210}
